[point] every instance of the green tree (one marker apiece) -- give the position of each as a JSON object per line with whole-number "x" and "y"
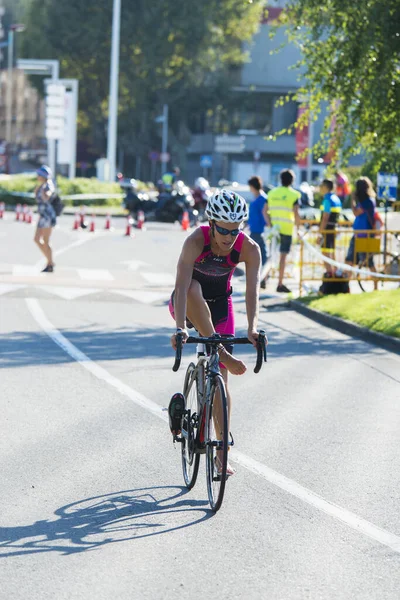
{"x": 351, "y": 60}
{"x": 172, "y": 51}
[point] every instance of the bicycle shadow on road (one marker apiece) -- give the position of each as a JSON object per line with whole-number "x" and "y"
{"x": 108, "y": 519}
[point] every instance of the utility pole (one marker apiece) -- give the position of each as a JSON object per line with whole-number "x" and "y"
{"x": 13, "y": 29}
{"x": 113, "y": 101}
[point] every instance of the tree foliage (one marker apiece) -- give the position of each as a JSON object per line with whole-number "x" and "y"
{"x": 172, "y": 51}
{"x": 351, "y": 60}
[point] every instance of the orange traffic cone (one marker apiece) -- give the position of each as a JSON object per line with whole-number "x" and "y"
{"x": 18, "y": 209}
{"x": 29, "y": 217}
{"x": 2, "y": 210}
{"x": 185, "y": 221}
{"x": 108, "y": 222}
{"x": 24, "y": 213}
{"x": 128, "y": 230}
{"x": 76, "y": 222}
{"x": 140, "y": 220}
{"x": 93, "y": 224}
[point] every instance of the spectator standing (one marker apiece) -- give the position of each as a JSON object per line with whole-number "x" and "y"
{"x": 258, "y": 219}
{"x": 330, "y": 212}
{"x": 343, "y": 188}
{"x": 44, "y": 192}
{"x": 283, "y": 208}
{"x": 363, "y": 206}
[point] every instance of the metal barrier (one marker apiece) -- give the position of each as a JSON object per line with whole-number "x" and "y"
{"x": 375, "y": 256}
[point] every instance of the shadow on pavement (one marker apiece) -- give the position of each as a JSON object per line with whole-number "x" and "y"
{"x": 94, "y": 522}
{"x": 22, "y": 349}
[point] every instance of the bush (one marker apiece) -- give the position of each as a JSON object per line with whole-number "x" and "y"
{"x": 66, "y": 187}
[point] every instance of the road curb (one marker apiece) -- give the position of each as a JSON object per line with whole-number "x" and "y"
{"x": 347, "y": 327}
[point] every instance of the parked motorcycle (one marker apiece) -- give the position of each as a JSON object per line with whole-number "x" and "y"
{"x": 171, "y": 205}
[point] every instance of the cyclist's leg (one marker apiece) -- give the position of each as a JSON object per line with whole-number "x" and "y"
{"x": 224, "y": 319}
{"x": 206, "y": 319}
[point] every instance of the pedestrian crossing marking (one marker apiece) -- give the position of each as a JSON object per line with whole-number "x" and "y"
{"x": 144, "y": 296}
{"x": 159, "y": 278}
{"x": 69, "y": 293}
{"x": 95, "y": 275}
{"x": 5, "y": 288}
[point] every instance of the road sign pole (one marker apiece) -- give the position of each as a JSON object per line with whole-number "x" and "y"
{"x": 10, "y": 85}
{"x": 164, "y": 160}
{"x": 113, "y": 102}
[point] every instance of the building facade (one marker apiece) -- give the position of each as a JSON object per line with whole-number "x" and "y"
{"x": 239, "y": 143}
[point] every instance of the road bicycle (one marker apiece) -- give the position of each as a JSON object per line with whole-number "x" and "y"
{"x": 204, "y": 421}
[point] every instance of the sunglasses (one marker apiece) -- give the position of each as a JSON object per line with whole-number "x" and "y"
{"x": 223, "y": 231}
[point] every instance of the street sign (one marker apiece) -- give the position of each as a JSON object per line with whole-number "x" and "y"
{"x": 229, "y": 144}
{"x": 206, "y": 161}
{"x": 165, "y": 157}
{"x": 55, "y": 111}
{"x": 387, "y": 186}
{"x": 154, "y": 156}
{"x": 66, "y": 147}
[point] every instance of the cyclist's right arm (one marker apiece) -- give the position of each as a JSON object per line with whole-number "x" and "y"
{"x": 192, "y": 248}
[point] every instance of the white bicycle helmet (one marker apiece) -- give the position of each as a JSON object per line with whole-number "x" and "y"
{"x": 226, "y": 206}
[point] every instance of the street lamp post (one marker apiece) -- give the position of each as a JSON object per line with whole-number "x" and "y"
{"x": 13, "y": 29}
{"x": 113, "y": 102}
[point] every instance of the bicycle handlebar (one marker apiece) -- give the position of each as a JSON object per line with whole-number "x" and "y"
{"x": 225, "y": 341}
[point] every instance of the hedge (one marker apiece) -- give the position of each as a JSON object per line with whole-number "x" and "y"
{"x": 66, "y": 187}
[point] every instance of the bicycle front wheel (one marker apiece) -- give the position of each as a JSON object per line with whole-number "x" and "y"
{"x": 189, "y": 427}
{"x": 216, "y": 431}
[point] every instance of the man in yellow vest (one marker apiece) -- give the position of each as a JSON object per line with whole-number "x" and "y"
{"x": 283, "y": 208}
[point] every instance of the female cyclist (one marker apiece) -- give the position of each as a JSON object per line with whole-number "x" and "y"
{"x": 202, "y": 295}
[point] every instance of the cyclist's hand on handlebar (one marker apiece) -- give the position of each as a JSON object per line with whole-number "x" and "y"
{"x": 252, "y": 334}
{"x": 183, "y": 333}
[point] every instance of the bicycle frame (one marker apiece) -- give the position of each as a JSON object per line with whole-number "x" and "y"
{"x": 205, "y": 370}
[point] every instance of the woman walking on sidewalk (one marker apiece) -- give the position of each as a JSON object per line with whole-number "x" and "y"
{"x": 44, "y": 192}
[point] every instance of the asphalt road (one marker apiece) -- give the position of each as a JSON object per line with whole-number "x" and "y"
{"x": 92, "y": 501}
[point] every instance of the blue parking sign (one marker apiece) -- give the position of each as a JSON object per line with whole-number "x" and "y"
{"x": 206, "y": 161}
{"x": 387, "y": 186}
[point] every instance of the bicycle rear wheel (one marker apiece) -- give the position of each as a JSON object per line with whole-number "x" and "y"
{"x": 189, "y": 426}
{"x": 387, "y": 264}
{"x": 216, "y": 432}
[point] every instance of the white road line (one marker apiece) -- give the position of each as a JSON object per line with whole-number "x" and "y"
{"x": 143, "y": 296}
{"x": 159, "y": 278}
{"x": 42, "y": 262}
{"x": 68, "y": 293}
{"x": 386, "y": 538}
{"x": 10, "y": 287}
{"x": 95, "y": 274}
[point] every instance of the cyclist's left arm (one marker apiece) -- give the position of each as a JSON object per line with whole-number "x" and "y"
{"x": 252, "y": 258}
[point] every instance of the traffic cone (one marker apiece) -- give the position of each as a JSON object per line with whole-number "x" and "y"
{"x": 108, "y": 222}
{"x": 83, "y": 224}
{"x": 76, "y": 222}
{"x": 18, "y": 212}
{"x": 140, "y": 220}
{"x": 128, "y": 230}
{"x": 93, "y": 224}
{"x": 29, "y": 217}
{"x": 24, "y": 213}
{"x": 185, "y": 221}
{"x": 1, "y": 210}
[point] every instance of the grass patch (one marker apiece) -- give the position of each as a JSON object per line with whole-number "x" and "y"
{"x": 378, "y": 311}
